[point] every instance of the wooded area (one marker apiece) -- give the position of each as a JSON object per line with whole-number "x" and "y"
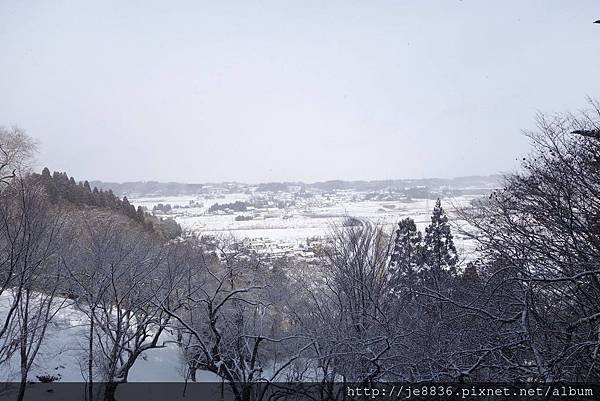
{"x": 377, "y": 306}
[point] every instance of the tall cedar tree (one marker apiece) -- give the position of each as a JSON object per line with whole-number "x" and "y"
{"x": 407, "y": 257}
{"x": 439, "y": 251}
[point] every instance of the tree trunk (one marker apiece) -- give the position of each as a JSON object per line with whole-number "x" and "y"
{"x": 22, "y": 388}
{"x": 23, "y": 352}
{"x": 109, "y": 391}
{"x": 90, "y": 360}
{"x": 246, "y": 392}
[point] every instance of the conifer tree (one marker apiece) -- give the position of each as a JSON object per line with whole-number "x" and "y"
{"x": 439, "y": 251}
{"x": 50, "y": 185}
{"x": 407, "y": 255}
{"x": 111, "y": 200}
{"x": 140, "y": 214}
{"x": 437, "y": 276}
{"x": 87, "y": 194}
{"x": 128, "y": 208}
{"x": 98, "y": 197}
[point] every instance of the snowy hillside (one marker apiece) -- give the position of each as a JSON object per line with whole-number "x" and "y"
{"x": 63, "y": 352}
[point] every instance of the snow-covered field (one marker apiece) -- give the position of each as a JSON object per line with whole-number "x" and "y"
{"x": 289, "y": 227}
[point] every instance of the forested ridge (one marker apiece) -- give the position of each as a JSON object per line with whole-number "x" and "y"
{"x": 61, "y": 188}
{"x": 375, "y": 305}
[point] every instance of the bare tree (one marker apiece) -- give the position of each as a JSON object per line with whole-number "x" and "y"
{"x": 118, "y": 277}
{"x": 539, "y": 237}
{"x": 30, "y": 239}
{"x": 349, "y": 306}
{"x": 230, "y": 324}
{"x": 85, "y": 263}
{"x": 16, "y": 207}
{"x": 16, "y": 151}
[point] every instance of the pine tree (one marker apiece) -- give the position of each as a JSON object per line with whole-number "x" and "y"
{"x": 87, "y": 194}
{"x": 129, "y": 209}
{"x": 407, "y": 256}
{"x": 50, "y": 185}
{"x": 439, "y": 251}
{"x": 98, "y": 197}
{"x": 73, "y": 193}
{"x": 438, "y": 275}
{"x": 111, "y": 200}
{"x": 140, "y": 214}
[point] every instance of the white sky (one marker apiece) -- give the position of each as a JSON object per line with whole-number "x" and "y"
{"x": 291, "y": 90}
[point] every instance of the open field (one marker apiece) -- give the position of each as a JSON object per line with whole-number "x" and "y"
{"x": 283, "y": 221}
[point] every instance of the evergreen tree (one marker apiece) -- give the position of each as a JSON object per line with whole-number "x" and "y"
{"x": 140, "y": 214}
{"x": 98, "y": 197}
{"x": 437, "y": 276}
{"x": 61, "y": 183}
{"x": 111, "y": 200}
{"x": 128, "y": 208}
{"x": 73, "y": 193}
{"x": 439, "y": 251}
{"x": 50, "y": 185}
{"x": 88, "y": 195}
{"x": 125, "y": 204}
{"x": 407, "y": 255}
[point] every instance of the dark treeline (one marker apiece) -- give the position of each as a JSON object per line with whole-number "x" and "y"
{"x": 374, "y": 306}
{"x": 62, "y": 188}
{"x": 237, "y": 206}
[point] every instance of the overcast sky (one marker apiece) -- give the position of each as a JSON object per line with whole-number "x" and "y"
{"x": 290, "y": 90}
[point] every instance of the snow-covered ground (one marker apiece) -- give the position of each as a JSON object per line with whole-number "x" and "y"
{"x": 63, "y": 352}
{"x": 279, "y": 229}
